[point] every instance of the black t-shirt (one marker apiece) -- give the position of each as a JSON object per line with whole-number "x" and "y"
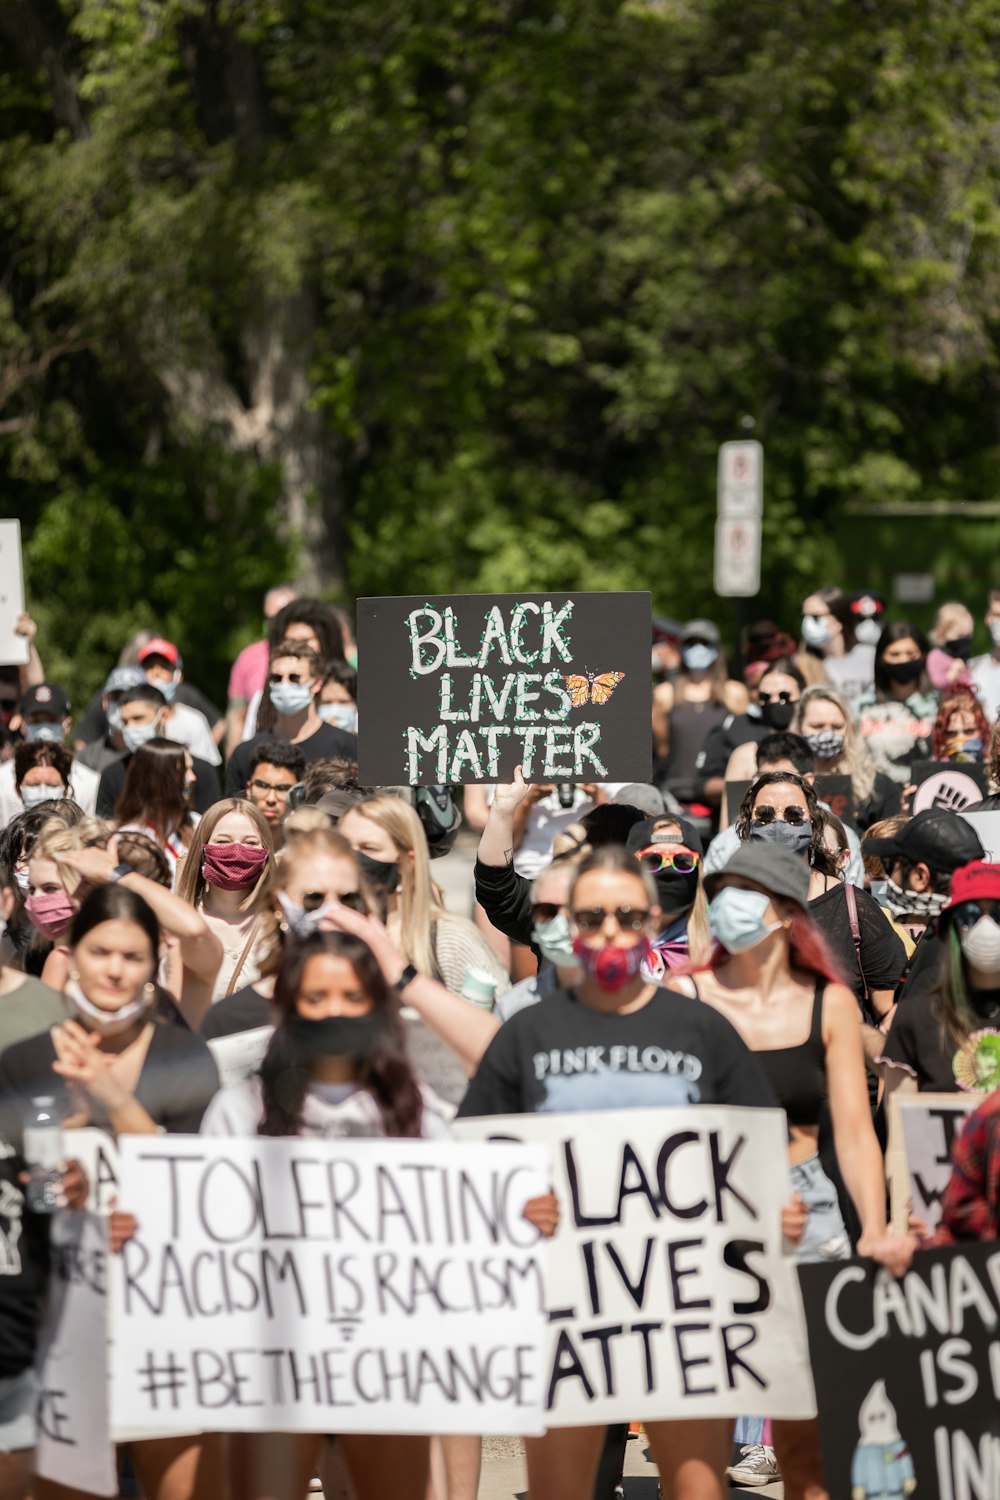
{"x": 244, "y": 1010}
{"x": 882, "y": 957}
{"x": 720, "y": 742}
{"x": 915, "y": 1043}
{"x": 562, "y": 1055}
{"x": 884, "y": 802}
{"x": 327, "y": 741}
{"x": 24, "y": 1240}
{"x": 178, "y": 1079}
{"x": 205, "y": 793}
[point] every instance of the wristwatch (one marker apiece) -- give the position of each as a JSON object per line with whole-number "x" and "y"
{"x": 119, "y": 871}
{"x": 407, "y": 977}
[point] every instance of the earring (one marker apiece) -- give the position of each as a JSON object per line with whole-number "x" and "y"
{"x": 149, "y": 991}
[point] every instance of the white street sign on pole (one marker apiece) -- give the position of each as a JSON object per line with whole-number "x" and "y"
{"x": 737, "y": 558}
{"x": 738, "y": 528}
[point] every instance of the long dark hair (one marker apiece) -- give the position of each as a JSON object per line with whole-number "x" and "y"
{"x": 115, "y": 903}
{"x": 819, "y": 856}
{"x": 386, "y": 1074}
{"x": 900, "y": 630}
{"x": 154, "y": 789}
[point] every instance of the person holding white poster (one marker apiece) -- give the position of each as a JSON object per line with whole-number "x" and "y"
{"x": 617, "y": 1041}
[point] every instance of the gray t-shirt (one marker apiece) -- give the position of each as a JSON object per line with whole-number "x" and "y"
{"x": 31, "y": 1008}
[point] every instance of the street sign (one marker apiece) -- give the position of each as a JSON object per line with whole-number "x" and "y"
{"x": 737, "y": 558}
{"x": 741, "y": 480}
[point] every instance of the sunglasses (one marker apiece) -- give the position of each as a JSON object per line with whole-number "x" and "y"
{"x": 274, "y": 678}
{"x": 313, "y": 900}
{"x": 663, "y": 857}
{"x": 629, "y": 918}
{"x": 544, "y": 911}
{"x": 783, "y": 697}
{"x": 794, "y": 815}
{"x": 968, "y": 914}
{"x": 268, "y": 786}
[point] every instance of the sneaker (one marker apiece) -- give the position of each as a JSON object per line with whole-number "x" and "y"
{"x": 315, "y": 1485}
{"x": 757, "y": 1466}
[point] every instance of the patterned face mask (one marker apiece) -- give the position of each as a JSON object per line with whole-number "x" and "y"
{"x": 904, "y": 903}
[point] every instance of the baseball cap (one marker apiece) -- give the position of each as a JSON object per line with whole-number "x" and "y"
{"x": 338, "y": 801}
{"x": 641, "y": 835}
{"x": 936, "y": 837}
{"x": 120, "y": 679}
{"x": 642, "y": 795}
{"x": 701, "y": 630}
{"x": 666, "y": 629}
{"x": 46, "y": 698}
{"x": 778, "y": 870}
{"x": 971, "y": 881}
{"x": 159, "y": 647}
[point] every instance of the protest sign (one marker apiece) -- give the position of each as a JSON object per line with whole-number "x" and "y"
{"x": 837, "y": 793}
{"x": 74, "y": 1444}
{"x": 13, "y": 647}
{"x": 667, "y": 1291}
{"x": 930, "y": 1124}
{"x": 908, "y": 1374}
{"x": 328, "y": 1286}
{"x": 240, "y": 1054}
{"x": 945, "y": 783}
{"x": 987, "y": 827}
{"x": 464, "y": 687}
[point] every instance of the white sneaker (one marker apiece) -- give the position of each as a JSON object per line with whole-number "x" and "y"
{"x": 756, "y": 1467}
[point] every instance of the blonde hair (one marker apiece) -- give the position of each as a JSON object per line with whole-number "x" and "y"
{"x": 56, "y": 838}
{"x": 951, "y": 614}
{"x": 191, "y": 882}
{"x": 571, "y": 843}
{"x": 418, "y": 905}
{"x": 305, "y": 844}
{"x": 855, "y": 759}
{"x": 303, "y": 820}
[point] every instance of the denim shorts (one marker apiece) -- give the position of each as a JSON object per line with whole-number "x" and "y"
{"x": 824, "y": 1237}
{"x": 18, "y": 1411}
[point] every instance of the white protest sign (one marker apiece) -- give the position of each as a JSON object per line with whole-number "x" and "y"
{"x": 987, "y": 826}
{"x": 74, "y": 1445}
{"x": 930, "y": 1125}
{"x": 328, "y": 1286}
{"x": 13, "y": 647}
{"x": 667, "y": 1291}
{"x": 240, "y": 1055}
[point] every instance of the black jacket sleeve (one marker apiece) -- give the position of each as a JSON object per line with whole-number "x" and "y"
{"x": 505, "y": 897}
{"x": 712, "y": 759}
{"x": 206, "y": 785}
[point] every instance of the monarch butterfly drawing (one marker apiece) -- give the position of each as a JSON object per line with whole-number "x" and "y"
{"x": 595, "y": 689}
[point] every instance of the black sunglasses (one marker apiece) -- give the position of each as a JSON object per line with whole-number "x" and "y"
{"x": 544, "y": 911}
{"x": 313, "y": 900}
{"x": 783, "y": 697}
{"x": 794, "y": 815}
{"x": 629, "y": 918}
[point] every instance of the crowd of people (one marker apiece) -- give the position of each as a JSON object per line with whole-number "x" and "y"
{"x": 173, "y": 875}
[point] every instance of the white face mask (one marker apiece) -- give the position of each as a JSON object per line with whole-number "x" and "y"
{"x": 34, "y": 796}
{"x": 815, "y": 630}
{"x": 981, "y": 946}
{"x": 108, "y": 1022}
{"x": 340, "y": 715}
{"x": 301, "y": 922}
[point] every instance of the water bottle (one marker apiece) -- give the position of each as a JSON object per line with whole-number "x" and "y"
{"x": 43, "y": 1152}
{"x": 479, "y": 986}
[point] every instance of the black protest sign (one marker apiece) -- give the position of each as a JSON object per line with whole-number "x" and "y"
{"x": 836, "y": 793}
{"x": 462, "y": 688}
{"x": 944, "y": 783}
{"x": 907, "y": 1375}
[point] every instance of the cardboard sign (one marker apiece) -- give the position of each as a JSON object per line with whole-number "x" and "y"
{"x": 328, "y": 1286}
{"x": 837, "y": 793}
{"x": 930, "y": 1124}
{"x": 944, "y": 783}
{"x": 74, "y": 1444}
{"x": 463, "y": 688}
{"x": 908, "y": 1375}
{"x": 240, "y": 1055}
{"x": 987, "y": 827}
{"x": 667, "y": 1290}
{"x": 13, "y": 647}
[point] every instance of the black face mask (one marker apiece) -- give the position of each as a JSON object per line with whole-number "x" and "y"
{"x": 675, "y": 894}
{"x": 903, "y": 671}
{"x": 336, "y": 1036}
{"x": 959, "y": 649}
{"x": 777, "y": 715}
{"x": 380, "y": 873}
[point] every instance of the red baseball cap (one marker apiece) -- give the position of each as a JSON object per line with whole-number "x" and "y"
{"x": 972, "y": 881}
{"x": 159, "y": 647}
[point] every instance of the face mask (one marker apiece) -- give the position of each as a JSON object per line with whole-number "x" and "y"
{"x": 959, "y": 648}
{"x": 35, "y": 732}
{"x": 336, "y": 1036}
{"x": 108, "y": 1022}
{"x": 50, "y": 912}
{"x": 826, "y": 744}
{"x": 737, "y": 918}
{"x": 340, "y": 715}
{"x": 291, "y": 698}
{"x": 381, "y": 873}
{"x": 675, "y": 893}
{"x": 699, "y": 657}
{"x": 168, "y": 689}
{"x": 22, "y": 878}
{"x": 903, "y": 903}
{"x": 34, "y": 796}
{"x": 981, "y": 946}
{"x": 232, "y": 867}
{"x": 611, "y": 968}
{"x": 114, "y": 717}
{"x": 867, "y": 632}
{"x": 553, "y": 940}
{"x": 777, "y": 715}
{"x": 967, "y": 747}
{"x": 137, "y": 735}
{"x": 815, "y": 630}
{"x": 794, "y": 836}
{"x": 903, "y": 671}
{"x": 303, "y": 923}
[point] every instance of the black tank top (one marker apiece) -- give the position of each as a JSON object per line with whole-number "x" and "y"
{"x": 689, "y": 727}
{"x": 798, "y": 1074}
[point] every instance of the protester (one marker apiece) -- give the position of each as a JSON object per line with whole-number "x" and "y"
{"x": 991, "y": 802}
{"x": 685, "y": 709}
{"x": 730, "y": 754}
{"x": 294, "y": 680}
{"x": 154, "y": 798}
{"x": 55, "y": 891}
{"x": 669, "y": 849}
{"x": 948, "y": 661}
{"x": 338, "y": 697}
{"x": 961, "y": 732}
{"x": 829, "y": 638}
{"x": 16, "y": 843}
{"x": 193, "y": 720}
{"x": 42, "y": 772}
{"x": 827, "y": 725}
{"x": 970, "y": 1206}
{"x": 101, "y": 751}
{"x": 44, "y": 717}
{"x": 273, "y": 770}
{"x": 309, "y": 623}
{"x": 27, "y": 1006}
{"x": 249, "y": 671}
{"x": 225, "y": 875}
{"x": 144, "y": 717}
{"x": 985, "y": 670}
{"x": 897, "y": 715}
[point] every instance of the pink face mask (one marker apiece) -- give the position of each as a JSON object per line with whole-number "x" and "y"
{"x": 232, "y": 867}
{"x": 50, "y": 912}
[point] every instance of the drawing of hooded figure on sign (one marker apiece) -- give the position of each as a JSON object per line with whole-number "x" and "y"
{"x": 882, "y": 1468}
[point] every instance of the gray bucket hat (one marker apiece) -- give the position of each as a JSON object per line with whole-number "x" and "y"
{"x": 776, "y": 870}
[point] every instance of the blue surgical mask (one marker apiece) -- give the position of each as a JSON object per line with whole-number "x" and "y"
{"x": 553, "y": 940}
{"x": 36, "y": 732}
{"x": 340, "y": 715}
{"x": 699, "y": 657}
{"x": 736, "y": 917}
{"x": 168, "y": 689}
{"x": 137, "y": 735}
{"x": 291, "y": 698}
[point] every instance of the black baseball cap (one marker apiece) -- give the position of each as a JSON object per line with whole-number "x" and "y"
{"x": 47, "y": 699}
{"x": 937, "y": 838}
{"x": 641, "y": 836}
